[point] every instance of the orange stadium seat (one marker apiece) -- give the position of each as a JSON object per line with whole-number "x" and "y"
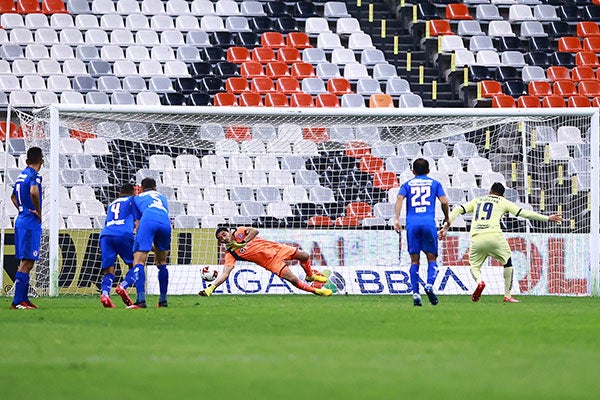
{"x": 385, "y": 180}
{"x": 249, "y": 99}
{"x": 303, "y": 70}
{"x": 569, "y": 44}
{"x": 251, "y": 69}
{"x": 54, "y": 7}
{"x": 558, "y": 73}
{"x": 347, "y": 221}
{"x": 276, "y": 100}
{"x": 587, "y": 58}
{"x": 289, "y": 55}
{"x": 272, "y": 39}
{"x": 370, "y": 164}
{"x": 587, "y": 28}
{"x": 439, "y": 27}
{"x": 276, "y": 69}
{"x": 589, "y": 88}
{"x": 592, "y": 44}
{"x": 238, "y": 133}
{"x": 28, "y": 6}
{"x": 457, "y": 11}
{"x": 564, "y": 88}
{"x": 303, "y": 100}
{"x": 320, "y": 220}
{"x": 578, "y": 101}
{"x": 528, "y": 101}
{"x": 298, "y": 40}
{"x": 263, "y": 55}
{"x": 238, "y": 55}
{"x": 224, "y": 99}
{"x": 503, "y": 101}
{"x": 553, "y": 102}
{"x": 596, "y": 102}
{"x": 539, "y": 88}
{"x": 359, "y": 210}
{"x": 262, "y": 85}
{"x": 7, "y": 6}
{"x": 315, "y": 134}
{"x": 327, "y": 100}
{"x": 357, "y": 149}
{"x": 339, "y": 86}
{"x": 12, "y": 130}
{"x": 381, "y": 100}
{"x": 237, "y": 85}
{"x": 583, "y": 73}
{"x": 288, "y": 85}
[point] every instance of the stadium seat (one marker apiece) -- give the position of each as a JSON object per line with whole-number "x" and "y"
{"x": 587, "y": 58}
{"x": 457, "y": 11}
{"x": 589, "y": 88}
{"x": 327, "y": 100}
{"x": 503, "y": 101}
{"x": 301, "y": 100}
{"x": 578, "y": 101}
{"x": 564, "y": 88}
{"x": 276, "y": 69}
{"x": 583, "y": 73}
{"x": 558, "y": 73}
{"x": 588, "y": 28}
{"x": 274, "y": 40}
{"x": 569, "y": 44}
{"x": 591, "y": 44}
{"x": 238, "y": 55}
{"x": 224, "y": 99}
{"x": 528, "y": 102}
{"x": 539, "y": 88}
{"x": 301, "y": 70}
{"x": 276, "y": 100}
{"x": 237, "y": 85}
{"x": 251, "y": 69}
{"x": 298, "y": 40}
{"x": 553, "y": 102}
{"x": 289, "y": 55}
{"x": 249, "y": 99}
{"x": 381, "y": 100}
{"x": 263, "y": 55}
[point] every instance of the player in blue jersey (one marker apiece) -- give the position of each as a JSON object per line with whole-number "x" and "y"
{"x": 116, "y": 238}
{"x": 151, "y": 213}
{"x": 27, "y": 197}
{"x": 421, "y": 193}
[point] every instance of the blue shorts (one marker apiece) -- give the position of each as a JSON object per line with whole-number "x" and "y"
{"x": 113, "y": 246}
{"x": 27, "y": 243}
{"x": 152, "y": 232}
{"x": 422, "y": 238}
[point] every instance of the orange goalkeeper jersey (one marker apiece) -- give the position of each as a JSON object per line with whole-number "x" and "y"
{"x": 266, "y": 253}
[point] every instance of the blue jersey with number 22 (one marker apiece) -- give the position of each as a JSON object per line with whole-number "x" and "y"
{"x": 421, "y": 193}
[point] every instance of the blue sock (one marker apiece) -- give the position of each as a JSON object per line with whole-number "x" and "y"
{"x": 21, "y": 287}
{"x": 163, "y": 281}
{"x": 140, "y": 282}
{"x": 414, "y": 277}
{"x": 432, "y": 271}
{"x": 130, "y": 278}
{"x": 107, "y": 282}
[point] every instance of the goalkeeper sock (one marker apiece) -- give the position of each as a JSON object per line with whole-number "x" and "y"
{"x": 21, "y": 287}
{"x": 414, "y": 277}
{"x": 163, "y": 281}
{"x": 508, "y": 280}
{"x": 303, "y": 286}
{"x": 140, "y": 282}
{"x": 107, "y": 282}
{"x": 432, "y": 271}
{"x": 306, "y": 267}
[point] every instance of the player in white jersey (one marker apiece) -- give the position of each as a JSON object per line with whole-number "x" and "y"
{"x": 487, "y": 239}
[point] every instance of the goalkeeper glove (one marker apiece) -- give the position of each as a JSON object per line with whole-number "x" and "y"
{"x": 233, "y": 245}
{"x": 207, "y": 292}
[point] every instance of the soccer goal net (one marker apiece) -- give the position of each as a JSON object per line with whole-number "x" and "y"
{"x": 324, "y": 180}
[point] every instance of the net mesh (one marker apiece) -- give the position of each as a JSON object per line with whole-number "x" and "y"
{"x": 324, "y": 182}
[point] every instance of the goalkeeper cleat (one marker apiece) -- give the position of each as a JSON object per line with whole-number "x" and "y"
{"x": 21, "y": 306}
{"x": 323, "y": 292}
{"x": 316, "y": 277}
{"x": 106, "y": 301}
{"x": 431, "y": 296}
{"x": 477, "y": 293}
{"x": 510, "y": 300}
{"x": 137, "y": 304}
{"x": 417, "y": 301}
{"x": 124, "y": 295}
{"x": 162, "y": 304}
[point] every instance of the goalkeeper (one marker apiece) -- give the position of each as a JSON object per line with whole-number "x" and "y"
{"x": 244, "y": 245}
{"x": 486, "y": 236}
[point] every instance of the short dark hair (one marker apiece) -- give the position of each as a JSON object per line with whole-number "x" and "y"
{"x": 34, "y": 155}
{"x": 219, "y": 230}
{"x": 148, "y": 184}
{"x": 127, "y": 189}
{"x": 498, "y": 188}
{"x": 421, "y": 166}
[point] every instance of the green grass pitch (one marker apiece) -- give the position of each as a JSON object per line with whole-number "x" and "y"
{"x": 302, "y": 347}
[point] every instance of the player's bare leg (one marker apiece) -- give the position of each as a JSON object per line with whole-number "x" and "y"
{"x": 294, "y": 280}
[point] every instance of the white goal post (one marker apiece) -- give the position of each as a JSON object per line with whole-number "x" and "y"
{"x": 324, "y": 180}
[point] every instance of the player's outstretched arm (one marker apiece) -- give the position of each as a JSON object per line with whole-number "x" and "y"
{"x": 220, "y": 279}
{"x": 555, "y": 218}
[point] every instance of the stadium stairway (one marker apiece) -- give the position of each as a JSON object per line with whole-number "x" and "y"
{"x": 401, "y": 46}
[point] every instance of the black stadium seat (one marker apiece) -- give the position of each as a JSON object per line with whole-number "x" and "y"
{"x": 185, "y": 85}
{"x": 505, "y": 73}
{"x": 249, "y": 40}
{"x": 556, "y": 29}
{"x": 305, "y": 9}
{"x": 212, "y": 54}
{"x": 514, "y": 88}
{"x": 286, "y": 24}
{"x": 226, "y": 69}
{"x": 172, "y": 99}
{"x": 200, "y": 69}
{"x": 211, "y": 85}
{"x": 199, "y": 99}
{"x": 538, "y": 58}
{"x": 537, "y": 43}
{"x": 275, "y": 8}
{"x": 222, "y": 39}
{"x": 510, "y": 43}
{"x": 564, "y": 59}
{"x": 261, "y": 24}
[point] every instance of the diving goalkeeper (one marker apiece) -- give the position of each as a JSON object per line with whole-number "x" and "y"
{"x": 486, "y": 235}
{"x": 244, "y": 245}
